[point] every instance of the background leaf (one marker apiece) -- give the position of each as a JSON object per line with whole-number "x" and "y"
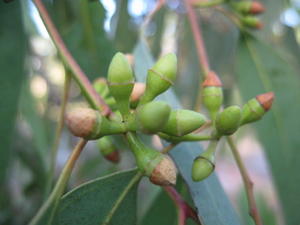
{"x": 259, "y": 69}
{"x": 12, "y": 37}
{"x": 208, "y": 195}
{"x": 90, "y": 203}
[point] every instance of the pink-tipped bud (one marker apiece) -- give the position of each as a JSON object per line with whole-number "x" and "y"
{"x": 256, "y": 8}
{"x": 266, "y": 100}
{"x": 138, "y": 91}
{"x": 212, "y": 80}
{"x": 113, "y": 156}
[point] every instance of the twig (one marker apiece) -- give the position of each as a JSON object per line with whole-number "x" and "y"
{"x": 59, "y": 128}
{"x": 79, "y": 76}
{"x": 158, "y": 6}
{"x": 184, "y": 210}
{"x": 197, "y": 33}
{"x": 52, "y": 202}
{"x": 201, "y": 51}
{"x": 253, "y": 211}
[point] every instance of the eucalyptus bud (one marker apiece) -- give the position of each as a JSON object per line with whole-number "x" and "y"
{"x": 160, "y": 77}
{"x": 228, "y": 121}
{"x": 182, "y": 122}
{"x": 158, "y": 167}
{"x": 90, "y": 124}
{"x": 255, "y": 108}
{"x": 108, "y": 149}
{"x": 153, "y": 116}
{"x": 137, "y": 92}
{"x": 121, "y": 81}
{"x": 204, "y": 164}
{"x": 101, "y": 87}
{"x": 251, "y": 22}
{"x": 249, "y": 7}
{"x": 212, "y": 94}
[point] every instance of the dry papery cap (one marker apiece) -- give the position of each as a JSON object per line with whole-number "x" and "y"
{"x": 257, "y": 7}
{"x": 164, "y": 173}
{"x": 113, "y": 156}
{"x": 266, "y": 100}
{"x": 212, "y": 80}
{"x": 138, "y": 91}
{"x": 81, "y": 121}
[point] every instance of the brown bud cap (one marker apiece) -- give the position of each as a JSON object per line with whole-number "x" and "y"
{"x": 164, "y": 173}
{"x": 81, "y": 121}
{"x": 266, "y": 100}
{"x": 138, "y": 91}
{"x": 256, "y": 8}
{"x": 212, "y": 80}
{"x": 113, "y": 156}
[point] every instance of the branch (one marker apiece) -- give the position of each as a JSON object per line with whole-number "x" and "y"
{"x": 184, "y": 210}
{"x": 59, "y": 128}
{"x": 253, "y": 211}
{"x": 51, "y": 203}
{"x": 79, "y": 76}
{"x": 197, "y": 33}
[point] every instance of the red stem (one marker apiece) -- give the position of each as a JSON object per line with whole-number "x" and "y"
{"x": 197, "y": 33}
{"x": 95, "y": 100}
{"x": 184, "y": 210}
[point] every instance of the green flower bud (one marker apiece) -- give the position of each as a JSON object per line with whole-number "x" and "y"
{"x": 203, "y": 166}
{"x": 228, "y": 121}
{"x": 254, "y": 109}
{"x": 101, "y": 87}
{"x": 90, "y": 124}
{"x": 153, "y": 116}
{"x": 108, "y": 149}
{"x": 251, "y": 22}
{"x": 248, "y": 7}
{"x": 182, "y": 122}
{"x": 160, "y": 77}
{"x": 121, "y": 81}
{"x": 212, "y": 94}
{"x": 158, "y": 167}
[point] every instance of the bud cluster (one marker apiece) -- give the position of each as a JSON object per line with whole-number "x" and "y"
{"x": 136, "y": 111}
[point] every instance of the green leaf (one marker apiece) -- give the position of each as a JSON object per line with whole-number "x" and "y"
{"x": 12, "y": 56}
{"x": 259, "y": 69}
{"x": 93, "y": 202}
{"x": 81, "y": 24}
{"x": 208, "y": 196}
{"x": 124, "y": 32}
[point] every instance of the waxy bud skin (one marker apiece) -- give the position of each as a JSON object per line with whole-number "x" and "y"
{"x": 251, "y": 22}
{"x": 203, "y": 166}
{"x": 212, "y": 93}
{"x": 108, "y": 149}
{"x": 228, "y": 121}
{"x": 153, "y": 116}
{"x": 160, "y": 77}
{"x": 182, "y": 122}
{"x": 254, "y": 109}
{"x": 121, "y": 81}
